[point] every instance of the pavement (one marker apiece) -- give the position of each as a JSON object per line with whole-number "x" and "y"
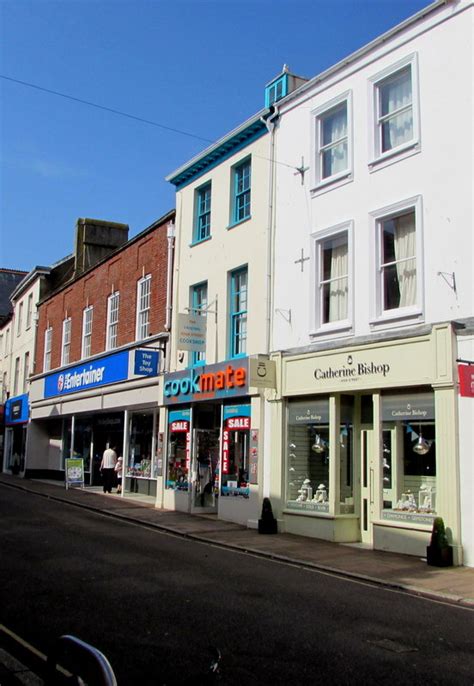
{"x": 405, "y": 573}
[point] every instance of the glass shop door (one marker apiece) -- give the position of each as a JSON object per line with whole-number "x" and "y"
{"x": 205, "y": 470}
{"x": 367, "y": 485}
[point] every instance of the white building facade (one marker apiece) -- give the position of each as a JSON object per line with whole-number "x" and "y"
{"x": 373, "y": 292}
{"x": 18, "y": 366}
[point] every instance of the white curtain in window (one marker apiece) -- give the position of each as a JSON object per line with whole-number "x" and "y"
{"x": 338, "y": 290}
{"x": 334, "y": 128}
{"x": 396, "y": 95}
{"x": 405, "y": 251}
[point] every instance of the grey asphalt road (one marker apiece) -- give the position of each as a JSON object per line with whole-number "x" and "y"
{"x": 156, "y": 605}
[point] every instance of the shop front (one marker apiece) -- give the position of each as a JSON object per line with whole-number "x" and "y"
{"x": 212, "y": 442}
{"x": 109, "y": 402}
{"x": 370, "y": 450}
{"x": 17, "y": 414}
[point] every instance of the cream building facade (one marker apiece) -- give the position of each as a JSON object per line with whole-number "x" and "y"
{"x": 373, "y": 294}
{"x": 214, "y": 396}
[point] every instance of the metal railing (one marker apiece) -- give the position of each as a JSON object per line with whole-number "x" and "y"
{"x": 73, "y": 661}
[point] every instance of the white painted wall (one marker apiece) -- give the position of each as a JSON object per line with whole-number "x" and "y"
{"x": 439, "y": 172}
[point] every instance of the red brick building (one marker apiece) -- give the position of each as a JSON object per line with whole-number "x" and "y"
{"x": 101, "y": 346}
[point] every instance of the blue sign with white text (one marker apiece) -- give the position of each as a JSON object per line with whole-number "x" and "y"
{"x": 106, "y": 370}
{"x": 17, "y": 410}
{"x": 146, "y": 362}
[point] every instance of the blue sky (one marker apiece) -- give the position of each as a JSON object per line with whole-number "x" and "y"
{"x": 195, "y": 65}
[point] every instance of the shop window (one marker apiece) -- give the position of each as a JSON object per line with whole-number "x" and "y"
{"x": 83, "y": 432}
{"x": 235, "y": 451}
{"x": 179, "y": 450}
{"x": 139, "y": 463}
{"x": 409, "y": 458}
{"x": 308, "y": 456}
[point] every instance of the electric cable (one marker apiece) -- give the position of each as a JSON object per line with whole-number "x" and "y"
{"x": 165, "y": 127}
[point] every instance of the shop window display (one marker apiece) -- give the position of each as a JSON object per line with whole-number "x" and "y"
{"x": 409, "y": 471}
{"x": 235, "y": 451}
{"x": 308, "y": 456}
{"x": 140, "y": 462}
{"x": 179, "y": 450}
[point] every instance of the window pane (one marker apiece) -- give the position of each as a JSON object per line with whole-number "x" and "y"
{"x": 396, "y": 92}
{"x": 334, "y": 125}
{"x": 397, "y": 130}
{"x": 334, "y": 280}
{"x": 395, "y": 110}
{"x": 398, "y": 256}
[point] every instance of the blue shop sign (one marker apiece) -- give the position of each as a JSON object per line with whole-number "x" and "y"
{"x": 146, "y": 362}
{"x": 17, "y": 410}
{"x": 106, "y": 370}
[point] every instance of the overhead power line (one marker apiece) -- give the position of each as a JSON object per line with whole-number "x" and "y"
{"x": 126, "y": 114}
{"x": 106, "y": 109}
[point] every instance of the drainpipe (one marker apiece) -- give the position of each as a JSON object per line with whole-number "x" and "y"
{"x": 270, "y": 122}
{"x": 169, "y": 285}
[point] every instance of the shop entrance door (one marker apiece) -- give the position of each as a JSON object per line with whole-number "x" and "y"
{"x": 205, "y": 469}
{"x": 367, "y": 485}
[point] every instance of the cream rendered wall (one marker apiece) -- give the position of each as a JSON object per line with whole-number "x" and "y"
{"x": 226, "y": 250}
{"x": 24, "y": 341}
{"x": 440, "y": 172}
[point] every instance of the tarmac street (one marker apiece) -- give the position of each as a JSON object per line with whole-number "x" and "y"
{"x": 105, "y": 569}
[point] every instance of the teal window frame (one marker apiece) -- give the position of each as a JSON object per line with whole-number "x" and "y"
{"x": 202, "y": 215}
{"x": 238, "y": 310}
{"x": 199, "y": 304}
{"x": 276, "y": 91}
{"x": 241, "y": 185}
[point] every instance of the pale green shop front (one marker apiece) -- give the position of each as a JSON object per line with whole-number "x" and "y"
{"x": 368, "y": 443}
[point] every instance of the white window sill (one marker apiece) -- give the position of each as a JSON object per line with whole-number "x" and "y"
{"x": 394, "y": 317}
{"x": 341, "y": 328}
{"x": 395, "y": 155}
{"x": 332, "y": 182}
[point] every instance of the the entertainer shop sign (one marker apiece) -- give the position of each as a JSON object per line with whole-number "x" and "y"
{"x": 101, "y": 372}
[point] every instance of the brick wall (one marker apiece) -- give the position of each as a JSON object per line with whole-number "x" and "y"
{"x": 146, "y": 254}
